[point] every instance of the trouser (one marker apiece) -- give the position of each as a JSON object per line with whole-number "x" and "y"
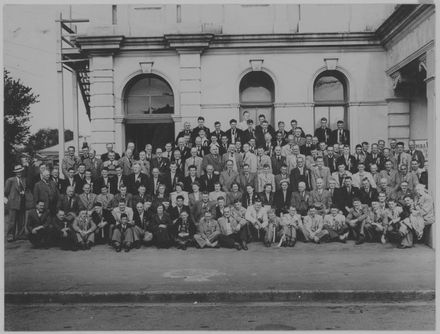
{"x": 330, "y": 234}
{"x": 357, "y": 229}
{"x": 141, "y": 235}
{"x": 85, "y": 239}
{"x": 306, "y": 234}
{"x": 228, "y": 241}
{"x": 123, "y": 237}
{"x": 67, "y": 242}
{"x": 256, "y": 234}
{"x": 289, "y": 233}
{"x": 202, "y": 240}
{"x": 42, "y": 238}
{"x": 184, "y": 241}
{"x": 272, "y": 235}
{"x": 401, "y": 234}
{"x": 16, "y": 223}
{"x": 373, "y": 233}
{"x": 102, "y": 235}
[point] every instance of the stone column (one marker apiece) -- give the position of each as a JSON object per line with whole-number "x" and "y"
{"x": 398, "y": 119}
{"x": 102, "y": 102}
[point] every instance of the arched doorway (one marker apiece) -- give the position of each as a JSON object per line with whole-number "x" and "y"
{"x": 149, "y": 105}
{"x": 330, "y": 96}
{"x": 257, "y": 95}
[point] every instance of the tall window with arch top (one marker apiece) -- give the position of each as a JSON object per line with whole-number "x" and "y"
{"x": 330, "y": 97}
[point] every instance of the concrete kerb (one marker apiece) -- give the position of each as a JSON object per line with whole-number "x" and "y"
{"x": 220, "y": 296}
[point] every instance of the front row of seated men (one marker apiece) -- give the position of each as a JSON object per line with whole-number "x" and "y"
{"x": 215, "y": 224}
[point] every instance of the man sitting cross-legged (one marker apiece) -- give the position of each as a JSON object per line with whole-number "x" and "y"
{"x": 290, "y": 223}
{"x": 377, "y": 224}
{"x": 233, "y": 232}
{"x": 312, "y": 226}
{"x": 207, "y": 231}
{"x": 183, "y": 231}
{"x": 273, "y": 230}
{"x": 335, "y": 227}
{"x": 356, "y": 219}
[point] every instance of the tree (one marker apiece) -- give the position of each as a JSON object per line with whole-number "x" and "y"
{"x": 18, "y": 99}
{"x": 47, "y": 137}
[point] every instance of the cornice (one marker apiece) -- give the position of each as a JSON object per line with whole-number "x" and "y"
{"x": 99, "y": 44}
{"x": 403, "y": 18}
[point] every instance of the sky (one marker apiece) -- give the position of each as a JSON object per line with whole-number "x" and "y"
{"x": 29, "y": 54}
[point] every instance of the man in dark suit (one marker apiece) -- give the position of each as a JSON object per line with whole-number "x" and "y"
{"x": 160, "y": 162}
{"x": 246, "y": 178}
{"x": 154, "y": 181}
{"x": 283, "y": 198}
{"x": 330, "y": 159}
{"x": 367, "y": 193}
{"x": 277, "y": 160}
{"x": 185, "y": 132}
{"x": 200, "y": 126}
{"x": 340, "y": 135}
{"x": 69, "y": 203}
{"x": 323, "y": 132}
{"x": 135, "y": 179}
{"x": 105, "y": 180}
{"x": 208, "y": 180}
{"x": 249, "y": 133}
{"x": 348, "y": 160}
{"x": 109, "y": 147}
{"x": 234, "y": 134}
{"x": 300, "y": 174}
{"x": 177, "y": 210}
{"x": 307, "y": 148}
{"x": 183, "y": 149}
{"x": 416, "y": 154}
{"x": 171, "y": 178}
{"x": 218, "y": 131}
{"x": 279, "y": 140}
{"x": 347, "y": 194}
{"x": 46, "y": 191}
{"x": 374, "y": 157}
{"x": 80, "y": 178}
{"x": 41, "y": 233}
{"x": 261, "y": 130}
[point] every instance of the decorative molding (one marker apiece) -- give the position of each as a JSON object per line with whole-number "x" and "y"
{"x": 422, "y": 63}
{"x": 146, "y": 66}
{"x": 191, "y": 43}
{"x": 256, "y": 64}
{"x": 99, "y": 44}
{"x": 397, "y": 79}
{"x": 331, "y": 63}
{"x": 410, "y": 58}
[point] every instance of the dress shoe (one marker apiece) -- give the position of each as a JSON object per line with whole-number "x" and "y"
{"x": 118, "y": 249}
{"x": 244, "y": 247}
{"x": 237, "y": 246}
{"x": 359, "y": 242}
{"x": 183, "y": 247}
{"x": 126, "y": 249}
{"x": 292, "y": 243}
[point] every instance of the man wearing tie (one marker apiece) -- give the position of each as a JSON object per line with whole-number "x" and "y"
{"x": 119, "y": 178}
{"x": 194, "y": 160}
{"x": 340, "y": 135}
{"x": 153, "y": 183}
{"x": 416, "y": 154}
{"x": 233, "y": 134}
{"x": 323, "y": 132}
{"x": 249, "y": 132}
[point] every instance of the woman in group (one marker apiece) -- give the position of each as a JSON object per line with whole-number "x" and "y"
{"x": 161, "y": 196}
{"x": 161, "y": 225}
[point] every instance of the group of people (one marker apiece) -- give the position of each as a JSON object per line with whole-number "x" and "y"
{"x": 225, "y": 189}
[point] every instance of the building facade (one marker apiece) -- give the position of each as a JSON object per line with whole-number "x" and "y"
{"x": 154, "y": 67}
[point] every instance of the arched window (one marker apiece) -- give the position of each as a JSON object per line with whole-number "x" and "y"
{"x": 331, "y": 98}
{"x": 149, "y": 94}
{"x": 257, "y": 95}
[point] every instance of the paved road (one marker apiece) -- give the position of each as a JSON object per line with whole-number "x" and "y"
{"x": 305, "y": 267}
{"x": 249, "y": 316}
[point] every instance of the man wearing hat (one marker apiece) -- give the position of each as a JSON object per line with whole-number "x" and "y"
{"x": 15, "y": 199}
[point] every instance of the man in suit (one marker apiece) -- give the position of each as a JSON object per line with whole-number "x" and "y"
{"x": 282, "y": 197}
{"x": 233, "y": 233}
{"x": 308, "y": 146}
{"x": 183, "y": 149}
{"x": 154, "y": 182}
{"x": 233, "y": 134}
{"x": 301, "y": 199}
{"x": 46, "y": 191}
{"x": 263, "y": 160}
{"x": 232, "y": 155}
{"x": 213, "y": 159}
{"x": 70, "y": 160}
{"x": 283, "y": 175}
{"x": 330, "y": 159}
{"x": 185, "y": 132}
{"x": 416, "y": 154}
{"x": 41, "y": 232}
{"x": 246, "y": 178}
{"x": 356, "y": 218}
{"x": 249, "y": 132}
{"x": 218, "y": 131}
{"x": 105, "y": 156}
{"x": 359, "y": 156}
{"x": 190, "y": 179}
{"x": 200, "y": 126}
{"x": 107, "y": 181}
{"x": 119, "y": 179}
{"x": 389, "y": 173}
{"x": 228, "y": 176}
{"x": 171, "y": 178}
{"x": 367, "y": 193}
{"x": 208, "y": 180}
{"x": 340, "y": 175}
{"x": 374, "y": 157}
{"x": 340, "y": 135}
{"x": 93, "y": 164}
{"x": 323, "y": 132}
{"x": 194, "y": 160}
{"x": 79, "y": 178}
{"x": 135, "y": 179}
{"x": 15, "y": 198}
{"x": 201, "y": 207}
{"x": 175, "y": 211}
{"x": 300, "y": 174}
{"x": 69, "y": 203}
{"x": 347, "y": 194}
{"x": 293, "y": 129}
{"x": 87, "y": 199}
{"x": 320, "y": 197}
{"x": 320, "y": 172}
{"x": 55, "y": 177}
{"x": 160, "y": 162}
{"x": 279, "y": 139}
{"x": 334, "y": 193}
{"x": 249, "y": 158}
{"x": 348, "y": 160}
{"x": 261, "y": 131}
{"x": 277, "y": 160}
{"x": 402, "y": 157}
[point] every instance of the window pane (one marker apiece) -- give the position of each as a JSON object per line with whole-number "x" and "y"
{"x": 137, "y": 105}
{"x": 329, "y": 88}
{"x": 162, "y": 104}
{"x": 158, "y": 87}
{"x": 256, "y": 94}
{"x": 257, "y": 87}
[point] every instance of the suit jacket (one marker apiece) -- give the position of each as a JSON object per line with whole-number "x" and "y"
{"x": 301, "y": 202}
{"x": 46, "y": 192}
{"x": 265, "y": 199}
{"x": 245, "y": 181}
{"x": 247, "y": 135}
{"x": 171, "y": 183}
{"x": 340, "y": 180}
{"x": 216, "y": 162}
{"x": 350, "y": 163}
{"x": 95, "y": 166}
{"x": 346, "y": 197}
{"x": 198, "y": 211}
{"x": 182, "y": 134}
{"x": 369, "y": 196}
{"x": 280, "y": 177}
{"x": 237, "y": 136}
{"x": 150, "y": 185}
{"x": 250, "y": 159}
{"x": 87, "y": 204}
{"x": 128, "y": 200}
{"x": 144, "y": 222}
{"x": 296, "y": 177}
{"x": 174, "y": 211}
{"x": 282, "y": 205}
{"x": 265, "y": 179}
{"x": 138, "y": 199}
{"x": 192, "y": 200}
{"x": 133, "y": 184}
{"x": 325, "y": 198}
{"x": 196, "y": 162}
{"x": 187, "y": 181}
{"x": 276, "y": 164}
{"x": 195, "y": 133}
{"x": 111, "y": 185}
{"x": 12, "y": 193}
{"x": 206, "y": 184}
{"x": 324, "y": 173}
{"x": 418, "y": 155}
{"x": 231, "y": 197}
{"x": 331, "y": 163}
{"x": 248, "y": 200}
{"x": 262, "y": 161}
{"x": 227, "y": 178}
{"x": 66, "y": 206}
{"x": 163, "y": 165}
{"x": 79, "y": 182}
{"x": 260, "y": 135}
{"x": 344, "y": 140}
{"x": 323, "y": 134}
{"x": 378, "y": 160}
{"x": 34, "y": 221}
{"x": 104, "y": 157}
{"x": 238, "y": 160}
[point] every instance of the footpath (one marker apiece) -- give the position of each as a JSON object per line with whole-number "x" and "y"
{"x": 308, "y": 272}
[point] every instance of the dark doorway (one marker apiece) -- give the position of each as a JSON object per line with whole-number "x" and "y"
{"x": 156, "y": 134}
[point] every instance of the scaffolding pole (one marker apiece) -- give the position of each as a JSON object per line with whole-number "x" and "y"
{"x": 60, "y": 88}
{"x": 75, "y": 111}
